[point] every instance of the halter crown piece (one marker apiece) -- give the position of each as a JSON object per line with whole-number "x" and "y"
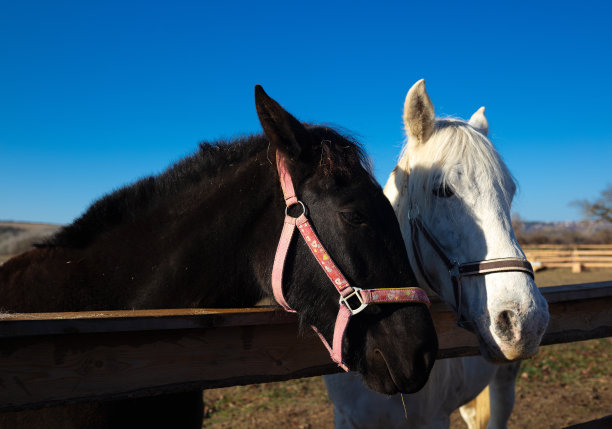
{"x": 353, "y": 300}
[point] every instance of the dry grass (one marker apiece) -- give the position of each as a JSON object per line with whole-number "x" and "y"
{"x": 564, "y": 276}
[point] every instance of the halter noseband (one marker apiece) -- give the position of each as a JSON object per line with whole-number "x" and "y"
{"x": 353, "y": 300}
{"x": 458, "y": 270}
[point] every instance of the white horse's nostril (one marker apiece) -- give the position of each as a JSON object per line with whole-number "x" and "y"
{"x": 504, "y": 325}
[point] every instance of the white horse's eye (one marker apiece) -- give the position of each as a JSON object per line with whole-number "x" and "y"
{"x": 443, "y": 191}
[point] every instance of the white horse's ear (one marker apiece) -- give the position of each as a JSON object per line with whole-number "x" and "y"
{"x": 479, "y": 121}
{"x": 419, "y": 118}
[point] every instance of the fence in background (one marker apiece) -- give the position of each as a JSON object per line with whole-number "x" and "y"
{"x": 576, "y": 257}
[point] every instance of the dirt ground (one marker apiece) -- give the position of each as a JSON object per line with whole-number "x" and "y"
{"x": 564, "y": 384}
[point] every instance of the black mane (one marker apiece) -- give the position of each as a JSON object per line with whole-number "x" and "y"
{"x": 340, "y": 155}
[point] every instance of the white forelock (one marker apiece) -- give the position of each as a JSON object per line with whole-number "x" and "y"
{"x": 453, "y": 143}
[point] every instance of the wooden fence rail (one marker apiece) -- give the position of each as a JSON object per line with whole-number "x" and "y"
{"x": 565, "y": 246}
{"x": 575, "y": 257}
{"x": 58, "y": 358}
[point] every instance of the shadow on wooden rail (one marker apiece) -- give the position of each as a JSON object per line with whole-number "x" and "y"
{"x": 53, "y": 358}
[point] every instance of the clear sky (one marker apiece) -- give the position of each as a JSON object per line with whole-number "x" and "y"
{"x": 95, "y": 94}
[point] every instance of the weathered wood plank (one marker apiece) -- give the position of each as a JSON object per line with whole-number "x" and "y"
{"x": 19, "y": 324}
{"x": 73, "y": 367}
{"x": 48, "y": 358}
{"x": 577, "y": 292}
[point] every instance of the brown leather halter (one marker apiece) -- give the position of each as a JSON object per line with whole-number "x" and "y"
{"x": 459, "y": 270}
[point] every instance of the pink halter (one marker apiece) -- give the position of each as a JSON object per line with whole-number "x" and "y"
{"x": 352, "y": 299}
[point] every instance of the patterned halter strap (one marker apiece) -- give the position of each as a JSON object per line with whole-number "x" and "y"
{"x": 353, "y": 300}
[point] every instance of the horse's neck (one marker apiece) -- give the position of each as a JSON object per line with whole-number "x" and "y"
{"x": 244, "y": 234}
{"x": 211, "y": 245}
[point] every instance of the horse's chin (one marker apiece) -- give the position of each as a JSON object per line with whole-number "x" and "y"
{"x": 497, "y": 351}
{"x": 381, "y": 383}
{"x": 501, "y": 355}
{"x": 393, "y": 348}
{"x": 382, "y": 377}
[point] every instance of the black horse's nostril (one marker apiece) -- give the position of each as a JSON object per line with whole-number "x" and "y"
{"x": 504, "y": 325}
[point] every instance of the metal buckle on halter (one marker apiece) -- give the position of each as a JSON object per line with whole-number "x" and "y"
{"x": 454, "y": 270}
{"x": 362, "y": 305}
{"x": 455, "y": 273}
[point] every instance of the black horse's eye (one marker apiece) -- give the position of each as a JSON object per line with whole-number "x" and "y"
{"x": 443, "y": 191}
{"x": 354, "y": 218}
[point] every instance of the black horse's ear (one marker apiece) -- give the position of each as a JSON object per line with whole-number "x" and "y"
{"x": 285, "y": 133}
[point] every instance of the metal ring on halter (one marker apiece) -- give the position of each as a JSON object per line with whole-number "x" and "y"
{"x": 303, "y": 209}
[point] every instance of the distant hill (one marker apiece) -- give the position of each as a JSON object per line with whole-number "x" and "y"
{"x": 580, "y": 226}
{"x": 18, "y": 237}
{"x": 563, "y": 232}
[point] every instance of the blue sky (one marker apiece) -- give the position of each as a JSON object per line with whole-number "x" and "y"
{"x": 94, "y": 95}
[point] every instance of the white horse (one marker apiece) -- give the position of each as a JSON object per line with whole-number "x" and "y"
{"x": 452, "y": 193}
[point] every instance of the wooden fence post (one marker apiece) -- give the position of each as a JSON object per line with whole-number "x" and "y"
{"x": 576, "y": 265}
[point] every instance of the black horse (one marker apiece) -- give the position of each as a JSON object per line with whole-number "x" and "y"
{"x": 204, "y": 234}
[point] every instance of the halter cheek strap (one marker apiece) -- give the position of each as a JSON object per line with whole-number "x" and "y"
{"x": 352, "y": 299}
{"x": 458, "y": 270}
